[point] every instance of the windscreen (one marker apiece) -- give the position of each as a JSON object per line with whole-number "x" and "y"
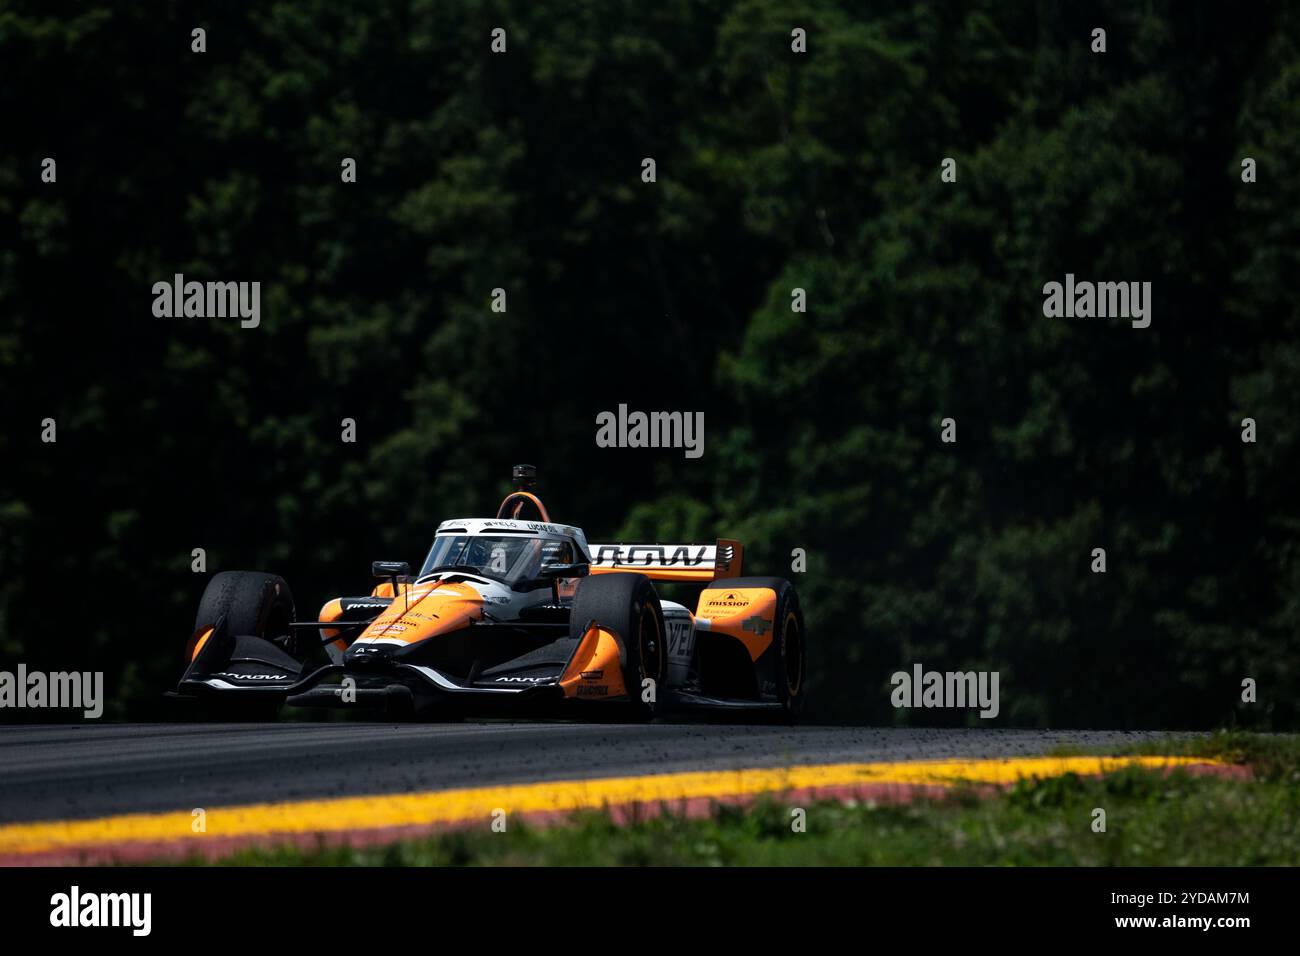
{"x": 510, "y": 559}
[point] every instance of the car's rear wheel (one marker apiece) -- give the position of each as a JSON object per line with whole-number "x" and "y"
{"x": 792, "y": 676}
{"x": 789, "y": 653}
{"x": 628, "y": 605}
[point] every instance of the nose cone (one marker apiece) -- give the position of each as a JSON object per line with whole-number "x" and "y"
{"x": 430, "y": 610}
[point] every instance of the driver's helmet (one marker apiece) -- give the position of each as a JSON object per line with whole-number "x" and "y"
{"x": 482, "y": 552}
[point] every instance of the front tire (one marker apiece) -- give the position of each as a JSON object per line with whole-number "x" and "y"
{"x": 628, "y": 605}
{"x": 253, "y": 603}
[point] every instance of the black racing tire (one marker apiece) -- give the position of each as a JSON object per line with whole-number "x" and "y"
{"x": 253, "y": 603}
{"x": 790, "y": 664}
{"x": 628, "y": 605}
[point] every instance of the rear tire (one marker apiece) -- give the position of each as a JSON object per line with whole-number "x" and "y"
{"x": 792, "y": 670}
{"x": 628, "y": 605}
{"x": 790, "y": 645}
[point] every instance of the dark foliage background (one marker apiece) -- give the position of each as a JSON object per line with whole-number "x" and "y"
{"x": 775, "y": 171}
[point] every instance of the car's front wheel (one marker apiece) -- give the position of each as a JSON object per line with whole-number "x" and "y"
{"x": 628, "y": 605}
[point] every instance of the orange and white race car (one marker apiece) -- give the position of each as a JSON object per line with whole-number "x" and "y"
{"x": 510, "y": 615}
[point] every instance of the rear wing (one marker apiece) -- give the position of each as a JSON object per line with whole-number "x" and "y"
{"x": 671, "y": 562}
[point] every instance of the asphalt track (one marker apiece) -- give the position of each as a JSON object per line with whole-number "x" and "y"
{"x": 84, "y": 771}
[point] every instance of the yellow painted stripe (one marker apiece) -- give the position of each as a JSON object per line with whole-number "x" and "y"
{"x": 478, "y": 803}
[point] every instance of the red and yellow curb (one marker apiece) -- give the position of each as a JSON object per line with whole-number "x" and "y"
{"x": 378, "y": 818}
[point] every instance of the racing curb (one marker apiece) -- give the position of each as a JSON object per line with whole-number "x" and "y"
{"x": 386, "y": 818}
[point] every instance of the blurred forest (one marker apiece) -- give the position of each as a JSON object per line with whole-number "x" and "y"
{"x": 776, "y": 170}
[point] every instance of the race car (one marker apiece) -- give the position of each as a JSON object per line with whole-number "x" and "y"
{"x": 510, "y": 615}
